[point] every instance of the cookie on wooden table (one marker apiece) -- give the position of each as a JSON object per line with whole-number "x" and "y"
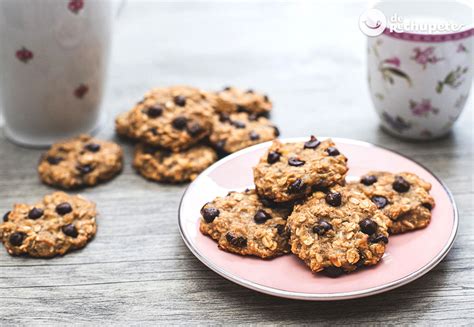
{"x": 57, "y": 224}
{"x": 81, "y": 161}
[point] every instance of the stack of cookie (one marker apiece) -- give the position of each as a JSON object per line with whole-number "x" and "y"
{"x": 302, "y": 204}
{"x": 181, "y": 130}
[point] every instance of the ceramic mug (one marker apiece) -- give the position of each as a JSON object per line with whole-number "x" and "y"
{"x": 419, "y": 81}
{"x": 53, "y": 63}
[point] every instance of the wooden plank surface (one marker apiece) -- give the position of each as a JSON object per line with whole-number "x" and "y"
{"x": 311, "y": 60}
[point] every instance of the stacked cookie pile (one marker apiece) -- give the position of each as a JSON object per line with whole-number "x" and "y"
{"x": 302, "y": 204}
{"x": 181, "y": 130}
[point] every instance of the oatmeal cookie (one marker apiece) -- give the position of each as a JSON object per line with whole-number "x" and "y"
{"x": 293, "y": 170}
{"x": 81, "y": 161}
{"x": 241, "y": 224}
{"x": 240, "y": 130}
{"x": 58, "y": 224}
{"x": 166, "y": 166}
{"x": 402, "y": 197}
{"x": 232, "y": 99}
{"x": 338, "y": 231}
{"x": 174, "y": 118}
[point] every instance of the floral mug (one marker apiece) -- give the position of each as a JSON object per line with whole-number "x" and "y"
{"x": 420, "y": 81}
{"x": 53, "y": 63}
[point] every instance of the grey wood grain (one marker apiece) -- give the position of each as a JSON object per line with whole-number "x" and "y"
{"x": 137, "y": 270}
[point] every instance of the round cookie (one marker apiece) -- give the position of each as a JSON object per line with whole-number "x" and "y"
{"x": 59, "y": 223}
{"x": 291, "y": 171}
{"x": 241, "y": 224}
{"x": 240, "y": 130}
{"x": 338, "y": 231}
{"x": 81, "y": 161}
{"x": 403, "y": 197}
{"x": 232, "y": 99}
{"x": 166, "y": 166}
{"x": 174, "y": 118}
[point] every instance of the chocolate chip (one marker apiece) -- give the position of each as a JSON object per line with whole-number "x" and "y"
{"x": 368, "y": 226}
{"x": 265, "y": 98}
{"x": 17, "y": 238}
{"x": 380, "y": 201}
{"x": 35, "y": 213}
{"x": 333, "y": 272}
{"x": 400, "y": 184}
{"x": 313, "y": 143}
{"x": 220, "y": 145}
{"x": 63, "y": 208}
{"x": 237, "y": 124}
{"x": 273, "y": 156}
{"x": 179, "y": 122}
{"x": 180, "y": 100}
{"x": 154, "y": 131}
{"x": 226, "y": 88}
{"x": 378, "y": 238}
{"x": 280, "y": 229}
{"x": 322, "y": 227}
{"x": 261, "y": 216}
{"x": 148, "y": 149}
{"x": 254, "y": 136}
{"x": 249, "y": 91}
{"x": 223, "y": 117}
{"x": 332, "y": 151}
{"x": 70, "y": 230}
{"x": 84, "y": 169}
{"x": 361, "y": 261}
{"x": 209, "y": 214}
{"x": 297, "y": 186}
{"x": 5, "y": 216}
{"x": 237, "y": 241}
{"x": 295, "y": 162}
{"x": 194, "y": 129}
{"x": 155, "y": 111}
{"x": 241, "y": 109}
{"x": 427, "y": 205}
{"x": 92, "y": 147}
{"x": 276, "y": 131}
{"x": 334, "y": 199}
{"x": 368, "y": 180}
{"x": 54, "y": 160}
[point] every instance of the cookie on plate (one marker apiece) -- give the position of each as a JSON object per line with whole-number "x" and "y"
{"x": 174, "y": 118}
{"x": 81, "y": 161}
{"x": 240, "y": 130}
{"x": 232, "y": 99}
{"x": 290, "y": 171}
{"x": 57, "y": 224}
{"x": 241, "y": 224}
{"x": 166, "y": 166}
{"x": 403, "y": 197}
{"x": 338, "y": 231}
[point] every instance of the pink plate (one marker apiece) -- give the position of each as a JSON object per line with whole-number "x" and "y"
{"x": 287, "y": 276}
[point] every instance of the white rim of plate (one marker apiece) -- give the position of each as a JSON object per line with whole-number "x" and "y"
{"x": 321, "y": 296}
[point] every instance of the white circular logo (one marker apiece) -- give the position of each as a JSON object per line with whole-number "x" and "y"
{"x": 372, "y": 22}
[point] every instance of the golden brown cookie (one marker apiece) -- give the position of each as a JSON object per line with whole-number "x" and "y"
{"x": 174, "y": 118}
{"x": 241, "y": 224}
{"x": 81, "y": 161}
{"x": 236, "y": 131}
{"x": 166, "y": 166}
{"x": 403, "y": 197}
{"x": 57, "y": 224}
{"x": 290, "y": 171}
{"x": 232, "y": 99}
{"x": 338, "y": 231}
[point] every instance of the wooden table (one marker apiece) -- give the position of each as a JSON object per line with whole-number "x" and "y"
{"x": 311, "y": 60}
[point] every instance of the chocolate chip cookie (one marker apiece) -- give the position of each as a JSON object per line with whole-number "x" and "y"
{"x": 232, "y": 99}
{"x": 166, "y": 166}
{"x": 403, "y": 197}
{"x": 241, "y": 224}
{"x": 81, "y": 161}
{"x": 291, "y": 171}
{"x": 240, "y": 130}
{"x": 57, "y": 224}
{"x": 338, "y": 231}
{"x": 174, "y": 118}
